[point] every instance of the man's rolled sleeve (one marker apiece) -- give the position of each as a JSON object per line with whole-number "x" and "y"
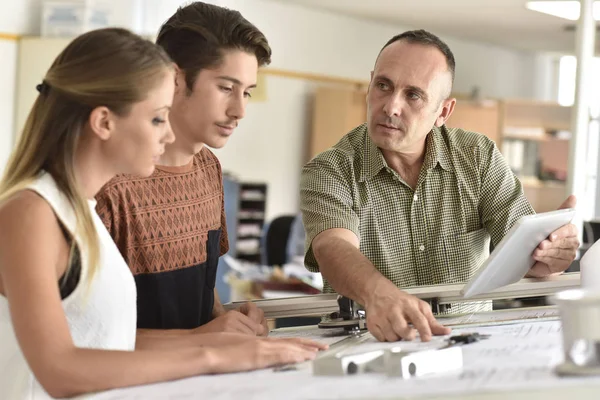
{"x": 326, "y": 199}
{"x": 502, "y": 199}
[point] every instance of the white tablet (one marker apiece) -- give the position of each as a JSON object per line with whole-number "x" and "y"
{"x": 512, "y": 258}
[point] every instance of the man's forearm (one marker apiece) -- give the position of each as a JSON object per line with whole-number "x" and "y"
{"x": 349, "y": 272}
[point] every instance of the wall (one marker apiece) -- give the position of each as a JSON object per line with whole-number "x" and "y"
{"x": 270, "y": 143}
{"x": 546, "y": 79}
{"x": 346, "y": 47}
{"x": 17, "y": 17}
{"x": 8, "y": 53}
{"x": 20, "y": 16}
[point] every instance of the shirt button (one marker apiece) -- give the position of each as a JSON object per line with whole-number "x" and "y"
{"x": 421, "y": 247}
{"x": 415, "y": 198}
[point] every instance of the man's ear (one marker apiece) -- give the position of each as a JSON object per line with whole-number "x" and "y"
{"x": 102, "y": 123}
{"x": 180, "y": 84}
{"x": 447, "y": 108}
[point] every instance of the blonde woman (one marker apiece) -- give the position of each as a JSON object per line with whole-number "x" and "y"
{"x": 67, "y": 298}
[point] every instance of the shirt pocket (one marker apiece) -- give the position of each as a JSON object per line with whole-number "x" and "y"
{"x": 465, "y": 253}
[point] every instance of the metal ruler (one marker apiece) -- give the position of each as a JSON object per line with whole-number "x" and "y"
{"x": 320, "y": 304}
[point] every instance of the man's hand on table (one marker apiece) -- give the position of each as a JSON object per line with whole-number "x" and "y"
{"x": 390, "y": 311}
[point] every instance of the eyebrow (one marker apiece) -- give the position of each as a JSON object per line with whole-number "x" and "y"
{"x": 388, "y": 81}
{"x": 162, "y": 108}
{"x": 384, "y": 79}
{"x": 234, "y": 80}
{"x": 417, "y": 89}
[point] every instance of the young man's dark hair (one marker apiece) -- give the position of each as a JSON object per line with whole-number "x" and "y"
{"x": 197, "y": 34}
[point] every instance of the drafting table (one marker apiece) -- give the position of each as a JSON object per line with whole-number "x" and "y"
{"x": 320, "y": 304}
{"x": 515, "y": 362}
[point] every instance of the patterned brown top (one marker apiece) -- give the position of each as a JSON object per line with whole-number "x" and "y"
{"x": 161, "y": 223}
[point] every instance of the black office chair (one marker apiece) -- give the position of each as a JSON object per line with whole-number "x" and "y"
{"x": 275, "y": 248}
{"x": 276, "y": 240}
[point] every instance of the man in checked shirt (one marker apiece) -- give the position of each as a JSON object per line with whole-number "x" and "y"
{"x": 405, "y": 201}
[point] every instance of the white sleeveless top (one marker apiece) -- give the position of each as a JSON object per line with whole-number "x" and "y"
{"x": 101, "y": 315}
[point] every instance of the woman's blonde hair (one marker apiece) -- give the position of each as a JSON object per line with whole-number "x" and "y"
{"x": 110, "y": 67}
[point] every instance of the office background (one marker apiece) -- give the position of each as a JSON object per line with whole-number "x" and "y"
{"x": 508, "y": 58}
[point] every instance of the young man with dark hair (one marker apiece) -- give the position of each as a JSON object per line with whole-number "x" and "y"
{"x": 170, "y": 227}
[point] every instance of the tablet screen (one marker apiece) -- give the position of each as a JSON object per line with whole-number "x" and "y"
{"x": 512, "y": 258}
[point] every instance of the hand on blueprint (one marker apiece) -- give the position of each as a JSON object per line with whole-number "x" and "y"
{"x": 390, "y": 311}
{"x": 554, "y": 254}
{"x": 263, "y": 353}
{"x": 237, "y": 322}
{"x": 255, "y": 314}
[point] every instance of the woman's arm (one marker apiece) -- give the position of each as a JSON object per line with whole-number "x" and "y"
{"x": 148, "y": 340}
{"x": 32, "y": 259}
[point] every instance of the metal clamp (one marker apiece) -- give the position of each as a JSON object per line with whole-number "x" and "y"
{"x": 395, "y": 361}
{"x": 437, "y": 307}
{"x": 420, "y": 363}
{"x": 392, "y": 362}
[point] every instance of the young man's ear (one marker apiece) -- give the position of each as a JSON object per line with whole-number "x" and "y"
{"x": 102, "y": 123}
{"x": 180, "y": 83}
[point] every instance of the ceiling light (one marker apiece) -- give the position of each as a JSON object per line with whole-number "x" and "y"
{"x": 563, "y": 9}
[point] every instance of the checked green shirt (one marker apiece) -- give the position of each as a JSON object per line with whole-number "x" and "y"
{"x": 437, "y": 234}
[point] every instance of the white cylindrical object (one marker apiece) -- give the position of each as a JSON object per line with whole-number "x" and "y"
{"x": 580, "y": 317}
{"x": 590, "y": 268}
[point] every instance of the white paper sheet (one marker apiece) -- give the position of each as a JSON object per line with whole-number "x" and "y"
{"x": 502, "y": 317}
{"x": 515, "y": 356}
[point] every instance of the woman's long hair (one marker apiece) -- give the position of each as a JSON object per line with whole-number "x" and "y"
{"x": 110, "y": 67}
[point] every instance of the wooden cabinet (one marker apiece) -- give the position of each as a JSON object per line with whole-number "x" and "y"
{"x": 533, "y": 136}
{"x": 536, "y": 141}
{"x": 337, "y": 111}
{"x": 482, "y": 117}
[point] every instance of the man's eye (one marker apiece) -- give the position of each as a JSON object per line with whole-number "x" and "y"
{"x": 383, "y": 86}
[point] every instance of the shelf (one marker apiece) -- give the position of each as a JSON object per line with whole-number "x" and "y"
{"x": 251, "y": 204}
{"x": 250, "y": 236}
{"x": 252, "y": 199}
{"x": 533, "y": 103}
{"x": 248, "y": 253}
{"x": 538, "y": 184}
{"x": 251, "y": 214}
{"x": 545, "y": 138}
{"x": 250, "y": 219}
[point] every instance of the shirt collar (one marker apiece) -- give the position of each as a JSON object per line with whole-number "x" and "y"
{"x": 372, "y": 161}
{"x": 436, "y": 152}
